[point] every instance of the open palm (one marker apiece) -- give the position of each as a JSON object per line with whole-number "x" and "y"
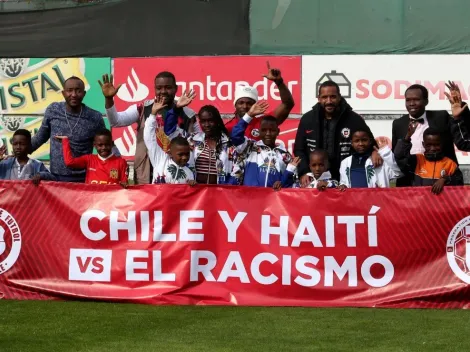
{"x": 107, "y": 86}
{"x": 455, "y": 99}
{"x": 186, "y": 99}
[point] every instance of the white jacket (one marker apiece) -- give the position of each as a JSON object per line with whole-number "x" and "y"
{"x": 376, "y": 177}
{"x": 165, "y": 170}
{"x": 326, "y": 176}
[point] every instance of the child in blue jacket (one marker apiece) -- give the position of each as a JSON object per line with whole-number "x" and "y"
{"x": 21, "y": 167}
{"x": 261, "y": 163}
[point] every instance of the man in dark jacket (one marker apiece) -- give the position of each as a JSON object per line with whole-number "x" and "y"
{"x": 328, "y": 126}
{"x": 416, "y": 100}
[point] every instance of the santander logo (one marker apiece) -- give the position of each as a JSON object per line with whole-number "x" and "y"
{"x": 220, "y": 90}
{"x": 133, "y": 91}
{"x": 127, "y": 143}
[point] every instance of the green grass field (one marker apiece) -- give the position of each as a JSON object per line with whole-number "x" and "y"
{"x": 75, "y": 326}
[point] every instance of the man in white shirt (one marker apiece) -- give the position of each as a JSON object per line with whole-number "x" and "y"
{"x": 165, "y": 87}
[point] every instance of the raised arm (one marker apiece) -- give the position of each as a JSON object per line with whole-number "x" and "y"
{"x": 404, "y": 159}
{"x": 458, "y": 107}
{"x": 386, "y": 153}
{"x": 117, "y": 119}
{"x": 154, "y": 151}
{"x": 288, "y": 174}
{"x": 238, "y": 132}
{"x": 287, "y": 101}
{"x": 171, "y": 118}
{"x": 75, "y": 163}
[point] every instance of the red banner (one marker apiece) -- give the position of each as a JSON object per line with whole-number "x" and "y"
{"x": 210, "y": 245}
{"x": 213, "y": 78}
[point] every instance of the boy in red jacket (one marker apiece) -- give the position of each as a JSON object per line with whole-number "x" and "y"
{"x": 104, "y": 168}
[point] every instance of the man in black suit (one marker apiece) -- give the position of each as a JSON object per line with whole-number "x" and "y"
{"x": 416, "y": 100}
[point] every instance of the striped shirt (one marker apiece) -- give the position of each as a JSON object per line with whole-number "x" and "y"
{"x": 206, "y": 162}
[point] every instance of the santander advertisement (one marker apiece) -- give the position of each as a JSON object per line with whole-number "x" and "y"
{"x": 213, "y": 78}
{"x": 375, "y": 84}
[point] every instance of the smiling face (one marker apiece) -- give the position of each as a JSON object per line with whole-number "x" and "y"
{"x": 415, "y": 103}
{"x": 166, "y": 88}
{"x": 103, "y": 145}
{"x": 329, "y": 98}
{"x": 74, "y": 92}
{"x": 243, "y": 105}
{"x": 268, "y": 132}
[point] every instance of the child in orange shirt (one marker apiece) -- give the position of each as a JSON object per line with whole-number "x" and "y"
{"x": 431, "y": 168}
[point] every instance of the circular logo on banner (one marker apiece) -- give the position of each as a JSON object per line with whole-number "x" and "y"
{"x": 345, "y": 132}
{"x": 10, "y": 241}
{"x": 12, "y": 68}
{"x": 458, "y": 250}
{"x": 255, "y": 132}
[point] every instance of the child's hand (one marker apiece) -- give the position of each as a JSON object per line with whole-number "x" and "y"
{"x": 124, "y": 184}
{"x": 258, "y": 108}
{"x": 277, "y": 185}
{"x": 438, "y": 186}
{"x": 304, "y": 181}
{"x": 322, "y": 185}
{"x": 192, "y": 183}
{"x": 36, "y": 179}
{"x": 342, "y": 188}
{"x": 295, "y": 162}
{"x": 59, "y": 138}
{"x": 186, "y": 99}
{"x": 158, "y": 104}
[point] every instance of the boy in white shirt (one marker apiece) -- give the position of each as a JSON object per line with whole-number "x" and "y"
{"x": 357, "y": 171}
{"x": 319, "y": 176}
{"x": 171, "y": 167}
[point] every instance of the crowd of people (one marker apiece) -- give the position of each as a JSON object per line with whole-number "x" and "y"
{"x": 334, "y": 147}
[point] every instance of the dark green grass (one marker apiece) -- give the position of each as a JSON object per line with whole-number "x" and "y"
{"x": 75, "y": 326}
